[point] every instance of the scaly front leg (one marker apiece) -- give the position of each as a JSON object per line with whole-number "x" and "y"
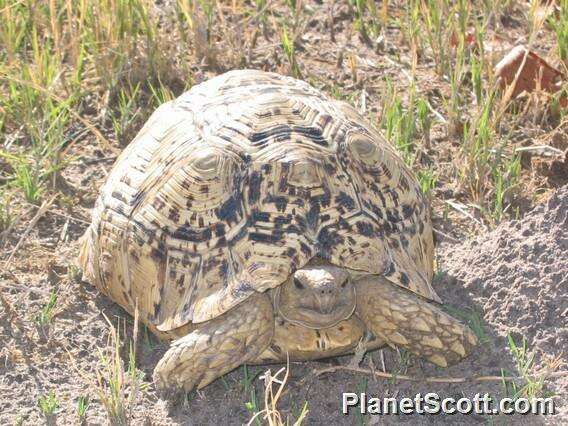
{"x": 407, "y": 320}
{"x": 218, "y": 346}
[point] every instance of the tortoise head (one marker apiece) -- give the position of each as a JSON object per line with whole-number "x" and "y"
{"x": 317, "y": 296}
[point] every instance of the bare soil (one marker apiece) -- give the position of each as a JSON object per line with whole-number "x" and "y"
{"x": 514, "y": 277}
{"x": 517, "y": 276}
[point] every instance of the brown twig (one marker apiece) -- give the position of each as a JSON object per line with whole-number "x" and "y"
{"x": 63, "y": 215}
{"x": 446, "y": 236}
{"x": 464, "y": 379}
{"x": 41, "y": 211}
{"x": 460, "y": 208}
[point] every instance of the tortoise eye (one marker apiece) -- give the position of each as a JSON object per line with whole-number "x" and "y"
{"x": 344, "y": 283}
{"x": 298, "y": 284}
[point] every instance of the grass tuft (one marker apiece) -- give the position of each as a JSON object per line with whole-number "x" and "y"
{"x": 44, "y": 318}
{"x": 48, "y": 405}
{"x": 290, "y": 51}
{"x": 119, "y": 386}
{"x": 273, "y": 390}
{"x": 560, "y": 25}
{"x": 525, "y": 362}
{"x": 83, "y": 403}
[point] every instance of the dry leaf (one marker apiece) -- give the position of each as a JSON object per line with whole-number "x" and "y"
{"x": 535, "y": 72}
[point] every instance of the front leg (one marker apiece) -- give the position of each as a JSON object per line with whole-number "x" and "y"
{"x": 216, "y": 347}
{"x": 406, "y": 320}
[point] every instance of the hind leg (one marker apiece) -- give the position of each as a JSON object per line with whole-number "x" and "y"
{"x": 406, "y": 320}
{"x": 216, "y": 347}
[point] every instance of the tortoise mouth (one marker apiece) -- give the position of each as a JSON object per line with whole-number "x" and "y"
{"x": 310, "y": 316}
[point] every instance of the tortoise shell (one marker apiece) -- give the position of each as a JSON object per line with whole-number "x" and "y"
{"x": 231, "y": 187}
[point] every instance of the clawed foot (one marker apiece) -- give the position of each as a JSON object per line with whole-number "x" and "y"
{"x": 216, "y": 347}
{"x": 408, "y": 321}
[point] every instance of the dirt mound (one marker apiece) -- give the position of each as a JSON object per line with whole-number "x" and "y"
{"x": 517, "y": 275}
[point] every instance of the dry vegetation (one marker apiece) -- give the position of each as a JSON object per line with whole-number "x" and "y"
{"x": 78, "y": 79}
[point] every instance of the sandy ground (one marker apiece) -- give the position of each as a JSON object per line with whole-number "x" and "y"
{"x": 517, "y": 276}
{"x": 513, "y": 277}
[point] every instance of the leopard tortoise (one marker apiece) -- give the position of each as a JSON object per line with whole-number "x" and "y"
{"x": 254, "y": 218}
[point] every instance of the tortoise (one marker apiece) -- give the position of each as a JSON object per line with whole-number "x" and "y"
{"x": 254, "y": 219}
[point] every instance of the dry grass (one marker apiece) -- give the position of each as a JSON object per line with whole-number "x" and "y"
{"x": 115, "y": 380}
{"x": 71, "y": 69}
{"x": 273, "y": 389}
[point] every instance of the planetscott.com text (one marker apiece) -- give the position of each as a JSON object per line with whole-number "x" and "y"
{"x": 432, "y": 403}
